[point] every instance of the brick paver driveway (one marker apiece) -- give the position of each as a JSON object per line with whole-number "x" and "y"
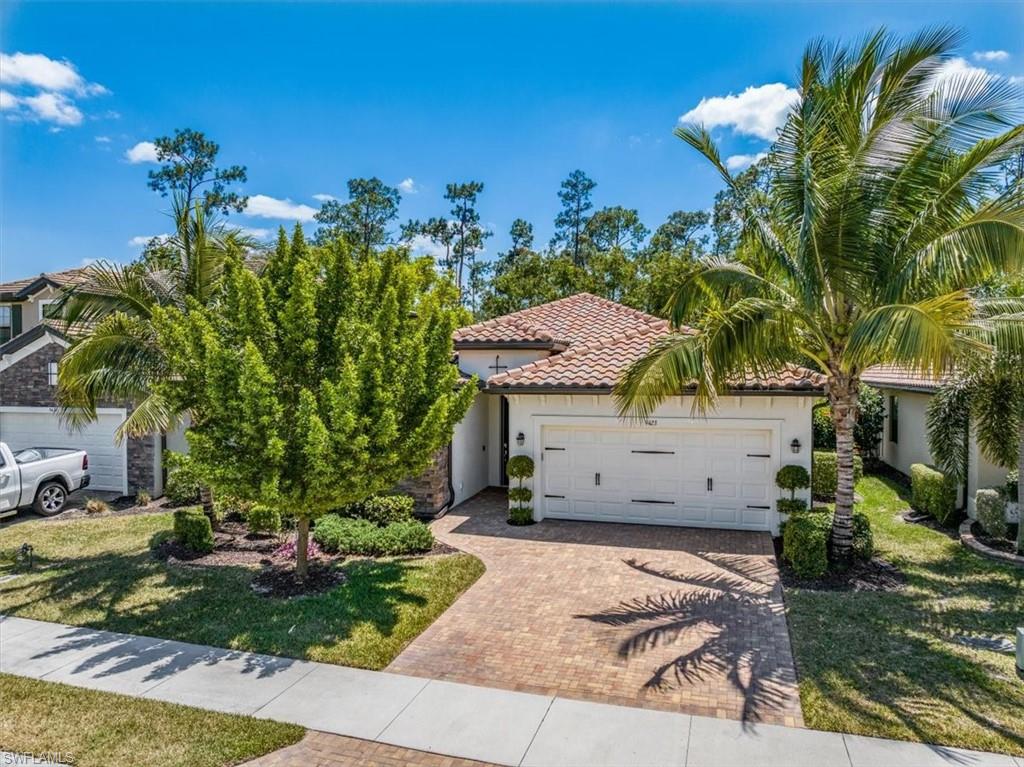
{"x": 672, "y": 618}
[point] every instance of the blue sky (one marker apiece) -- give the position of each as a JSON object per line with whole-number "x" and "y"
{"x": 308, "y": 95}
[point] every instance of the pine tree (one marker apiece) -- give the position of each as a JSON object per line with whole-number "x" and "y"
{"x": 325, "y": 381}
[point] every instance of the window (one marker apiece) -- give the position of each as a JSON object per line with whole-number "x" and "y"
{"x": 6, "y": 324}
{"x": 51, "y": 373}
{"x": 894, "y": 419}
{"x": 48, "y": 309}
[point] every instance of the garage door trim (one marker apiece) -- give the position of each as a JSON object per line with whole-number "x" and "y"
{"x": 673, "y": 423}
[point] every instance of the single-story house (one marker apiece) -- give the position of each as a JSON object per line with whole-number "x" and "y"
{"x": 905, "y": 434}
{"x": 546, "y": 378}
{"x": 32, "y": 342}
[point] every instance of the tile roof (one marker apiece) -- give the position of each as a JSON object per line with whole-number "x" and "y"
{"x": 603, "y": 339}
{"x": 62, "y": 279}
{"x": 578, "y": 319}
{"x": 899, "y": 377}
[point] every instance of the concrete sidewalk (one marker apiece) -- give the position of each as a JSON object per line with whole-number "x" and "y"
{"x": 459, "y": 720}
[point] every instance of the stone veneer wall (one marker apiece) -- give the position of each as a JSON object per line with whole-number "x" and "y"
{"x": 26, "y": 384}
{"x": 429, "y": 489}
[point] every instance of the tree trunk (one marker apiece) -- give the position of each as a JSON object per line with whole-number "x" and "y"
{"x": 301, "y": 547}
{"x": 842, "y": 395}
{"x": 1020, "y": 490}
{"x": 206, "y": 499}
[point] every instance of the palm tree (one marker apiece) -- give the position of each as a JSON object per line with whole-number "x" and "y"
{"x": 880, "y": 219}
{"x": 114, "y": 354}
{"x": 990, "y": 396}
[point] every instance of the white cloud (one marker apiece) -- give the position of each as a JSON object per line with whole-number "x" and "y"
{"x": 408, "y": 186}
{"x": 421, "y": 245}
{"x": 255, "y": 232}
{"x": 990, "y": 55}
{"x": 743, "y": 161}
{"x": 43, "y": 89}
{"x": 760, "y": 110}
{"x": 102, "y": 139}
{"x": 324, "y": 197}
{"x": 1016, "y": 80}
{"x": 141, "y": 240}
{"x": 144, "y": 151}
{"x": 45, "y": 73}
{"x": 53, "y": 107}
{"x": 270, "y": 207}
{"x": 957, "y": 68}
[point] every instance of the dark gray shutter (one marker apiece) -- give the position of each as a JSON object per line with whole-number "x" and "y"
{"x": 15, "y": 321}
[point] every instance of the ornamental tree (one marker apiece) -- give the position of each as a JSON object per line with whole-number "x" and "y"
{"x": 324, "y": 381}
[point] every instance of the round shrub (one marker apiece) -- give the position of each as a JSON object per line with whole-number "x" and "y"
{"x": 344, "y": 534}
{"x": 192, "y": 529}
{"x": 990, "y": 507}
{"x": 262, "y": 518}
{"x": 381, "y": 509}
{"x": 520, "y": 515}
{"x": 805, "y": 544}
{"x": 791, "y": 505}
{"x": 793, "y": 478}
{"x": 933, "y": 493}
{"x": 824, "y": 473}
{"x": 228, "y": 505}
{"x": 182, "y": 485}
{"x": 863, "y": 538}
{"x": 523, "y": 494}
{"x": 519, "y": 467}
{"x": 407, "y": 537}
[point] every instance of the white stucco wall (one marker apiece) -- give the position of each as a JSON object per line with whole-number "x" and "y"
{"x": 480, "y": 362}
{"x": 471, "y": 451}
{"x": 787, "y": 416}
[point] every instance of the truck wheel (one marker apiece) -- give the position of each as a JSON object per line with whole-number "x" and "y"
{"x": 50, "y": 499}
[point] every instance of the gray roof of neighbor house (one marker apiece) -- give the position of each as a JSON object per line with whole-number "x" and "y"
{"x": 19, "y": 290}
{"x": 593, "y": 341}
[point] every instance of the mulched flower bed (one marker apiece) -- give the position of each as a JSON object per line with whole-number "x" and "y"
{"x": 874, "y": 575}
{"x": 120, "y": 507}
{"x": 279, "y": 581}
{"x": 999, "y": 544}
{"x": 912, "y": 517}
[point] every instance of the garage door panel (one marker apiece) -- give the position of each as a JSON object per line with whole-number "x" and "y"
{"x": 660, "y": 476}
{"x": 40, "y": 427}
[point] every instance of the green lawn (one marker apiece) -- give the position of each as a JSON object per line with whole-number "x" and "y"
{"x": 884, "y": 664}
{"x": 99, "y": 729}
{"x": 100, "y": 573}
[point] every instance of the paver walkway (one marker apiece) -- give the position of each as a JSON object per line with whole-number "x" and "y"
{"x": 497, "y": 726}
{"x": 670, "y": 618}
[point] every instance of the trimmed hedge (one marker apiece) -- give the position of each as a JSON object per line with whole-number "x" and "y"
{"x": 192, "y": 529}
{"x": 381, "y": 510}
{"x": 182, "y": 485}
{"x": 360, "y": 536}
{"x": 262, "y": 518}
{"x": 824, "y": 473}
{"x": 805, "y": 543}
{"x": 933, "y": 493}
{"x": 990, "y": 506}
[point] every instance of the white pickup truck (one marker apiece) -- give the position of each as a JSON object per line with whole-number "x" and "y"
{"x": 40, "y": 478}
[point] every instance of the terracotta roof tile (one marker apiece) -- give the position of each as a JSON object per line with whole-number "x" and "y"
{"x": 899, "y": 377}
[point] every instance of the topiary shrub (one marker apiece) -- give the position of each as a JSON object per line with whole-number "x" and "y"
{"x": 263, "y": 518}
{"x": 805, "y": 544}
{"x": 932, "y": 492}
{"x": 990, "y": 508}
{"x": 793, "y": 478}
{"x": 520, "y": 467}
{"x": 824, "y": 476}
{"x": 182, "y": 486}
{"x": 791, "y": 505}
{"x": 192, "y": 529}
{"x": 863, "y": 538}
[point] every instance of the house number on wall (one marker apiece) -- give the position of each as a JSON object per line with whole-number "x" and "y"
{"x": 650, "y": 422}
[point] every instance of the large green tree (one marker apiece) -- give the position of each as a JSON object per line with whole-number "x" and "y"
{"x": 879, "y": 222}
{"x": 571, "y": 221}
{"x": 364, "y": 220}
{"x": 324, "y": 381}
{"x": 189, "y": 169}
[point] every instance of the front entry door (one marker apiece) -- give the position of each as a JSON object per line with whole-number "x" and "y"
{"x": 504, "y": 440}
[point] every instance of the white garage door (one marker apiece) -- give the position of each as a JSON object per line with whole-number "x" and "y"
{"x": 706, "y": 477}
{"x": 40, "y": 427}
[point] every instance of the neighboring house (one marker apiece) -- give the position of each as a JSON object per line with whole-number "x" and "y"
{"x": 31, "y": 343}
{"x": 546, "y": 377}
{"x": 905, "y": 435}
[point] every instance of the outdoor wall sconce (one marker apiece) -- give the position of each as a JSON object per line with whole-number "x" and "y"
{"x": 520, "y": 439}
{"x": 795, "y": 445}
